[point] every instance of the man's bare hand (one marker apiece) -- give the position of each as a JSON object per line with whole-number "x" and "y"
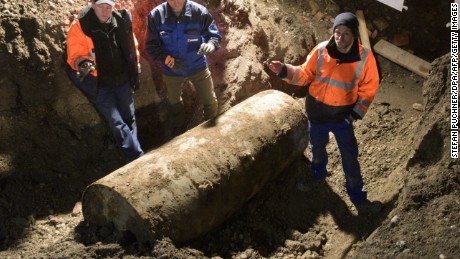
{"x": 275, "y": 66}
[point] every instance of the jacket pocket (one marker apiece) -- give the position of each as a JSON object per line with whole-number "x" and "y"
{"x": 193, "y": 39}
{"x": 166, "y": 37}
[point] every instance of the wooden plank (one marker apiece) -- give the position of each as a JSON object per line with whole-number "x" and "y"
{"x": 403, "y": 58}
{"x": 363, "y": 34}
{"x": 314, "y": 7}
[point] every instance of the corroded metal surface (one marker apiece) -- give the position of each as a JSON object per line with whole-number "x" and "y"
{"x": 193, "y": 183}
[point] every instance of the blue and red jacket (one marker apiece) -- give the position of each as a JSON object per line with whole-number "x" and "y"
{"x": 180, "y": 36}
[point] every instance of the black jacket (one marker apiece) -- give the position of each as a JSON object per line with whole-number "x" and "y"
{"x": 114, "y": 47}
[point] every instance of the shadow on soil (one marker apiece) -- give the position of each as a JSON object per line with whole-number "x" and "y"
{"x": 291, "y": 202}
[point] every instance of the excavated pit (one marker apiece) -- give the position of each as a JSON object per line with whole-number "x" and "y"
{"x": 53, "y": 144}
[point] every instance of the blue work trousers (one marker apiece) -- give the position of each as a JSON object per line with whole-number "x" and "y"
{"x": 116, "y": 105}
{"x": 348, "y": 146}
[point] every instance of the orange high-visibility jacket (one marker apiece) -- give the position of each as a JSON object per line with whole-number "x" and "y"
{"x": 81, "y": 47}
{"x": 336, "y": 90}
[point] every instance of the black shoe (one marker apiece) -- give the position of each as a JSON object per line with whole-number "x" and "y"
{"x": 368, "y": 207}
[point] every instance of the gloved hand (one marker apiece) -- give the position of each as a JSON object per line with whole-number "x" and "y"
{"x": 206, "y": 48}
{"x": 84, "y": 68}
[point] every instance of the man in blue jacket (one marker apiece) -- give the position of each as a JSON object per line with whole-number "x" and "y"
{"x": 180, "y": 33}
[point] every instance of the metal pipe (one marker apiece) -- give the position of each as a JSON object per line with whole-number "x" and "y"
{"x": 196, "y": 181}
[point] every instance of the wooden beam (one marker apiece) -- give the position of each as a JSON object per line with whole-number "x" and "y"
{"x": 314, "y": 7}
{"x": 403, "y": 58}
{"x": 363, "y": 34}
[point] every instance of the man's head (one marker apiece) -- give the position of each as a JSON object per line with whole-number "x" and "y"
{"x": 103, "y": 9}
{"x": 345, "y": 31}
{"x": 176, "y": 5}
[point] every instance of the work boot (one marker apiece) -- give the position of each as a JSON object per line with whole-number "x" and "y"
{"x": 368, "y": 207}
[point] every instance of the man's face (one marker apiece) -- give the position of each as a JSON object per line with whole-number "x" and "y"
{"x": 103, "y": 11}
{"x": 176, "y": 5}
{"x": 344, "y": 38}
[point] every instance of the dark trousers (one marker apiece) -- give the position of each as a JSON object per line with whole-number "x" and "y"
{"x": 116, "y": 105}
{"x": 348, "y": 146}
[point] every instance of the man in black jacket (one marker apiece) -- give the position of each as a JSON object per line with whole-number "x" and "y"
{"x": 102, "y": 52}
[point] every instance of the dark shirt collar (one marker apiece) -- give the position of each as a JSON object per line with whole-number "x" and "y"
{"x": 350, "y": 57}
{"x": 112, "y": 21}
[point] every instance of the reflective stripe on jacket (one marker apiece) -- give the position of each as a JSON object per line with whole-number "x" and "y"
{"x": 336, "y": 90}
{"x": 180, "y": 36}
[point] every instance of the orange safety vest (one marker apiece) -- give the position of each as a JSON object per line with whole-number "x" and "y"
{"x": 336, "y": 88}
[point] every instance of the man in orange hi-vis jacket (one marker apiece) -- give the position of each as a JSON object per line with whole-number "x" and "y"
{"x": 342, "y": 80}
{"x": 104, "y": 64}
